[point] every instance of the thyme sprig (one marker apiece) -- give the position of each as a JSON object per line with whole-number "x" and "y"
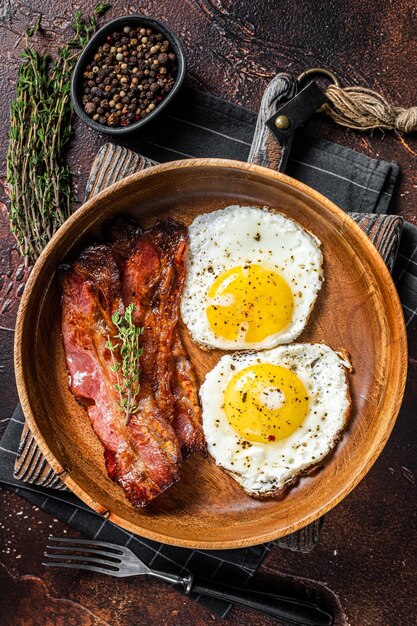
{"x": 38, "y": 178}
{"x": 126, "y": 343}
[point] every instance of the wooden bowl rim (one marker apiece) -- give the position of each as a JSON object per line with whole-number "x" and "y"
{"x": 370, "y": 454}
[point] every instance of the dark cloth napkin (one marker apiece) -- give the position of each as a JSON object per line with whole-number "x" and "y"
{"x": 200, "y": 125}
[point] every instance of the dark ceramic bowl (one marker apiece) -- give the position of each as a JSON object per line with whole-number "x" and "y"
{"x": 89, "y": 51}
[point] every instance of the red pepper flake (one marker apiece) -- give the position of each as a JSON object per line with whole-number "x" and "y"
{"x": 271, "y": 437}
{"x": 124, "y": 122}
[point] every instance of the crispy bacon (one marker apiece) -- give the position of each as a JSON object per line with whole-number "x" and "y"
{"x": 143, "y": 457}
{"x": 153, "y": 279}
{"x": 148, "y": 270}
{"x": 187, "y": 411}
{"x": 121, "y": 235}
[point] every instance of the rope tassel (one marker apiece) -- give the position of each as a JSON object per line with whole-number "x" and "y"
{"x": 364, "y": 109}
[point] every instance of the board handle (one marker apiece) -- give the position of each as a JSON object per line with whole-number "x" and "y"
{"x": 265, "y": 150}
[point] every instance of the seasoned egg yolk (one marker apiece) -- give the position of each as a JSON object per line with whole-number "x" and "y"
{"x": 249, "y": 301}
{"x": 266, "y": 402}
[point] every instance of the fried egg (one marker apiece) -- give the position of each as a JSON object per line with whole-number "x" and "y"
{"x": 252, "y": 279}
{"x": 270, "y": 417}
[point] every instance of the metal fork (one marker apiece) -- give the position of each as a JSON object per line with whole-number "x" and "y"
{"x": 114, "y": 560}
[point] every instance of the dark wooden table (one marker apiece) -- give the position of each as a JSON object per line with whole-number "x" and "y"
{"x": 366, "y": 561}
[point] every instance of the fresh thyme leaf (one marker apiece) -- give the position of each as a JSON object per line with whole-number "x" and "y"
{"x": 37, "y": 27}
{"x": 102, "y": 8}
{"x": 39, "y": 179}
{"x": 128, "y": 385}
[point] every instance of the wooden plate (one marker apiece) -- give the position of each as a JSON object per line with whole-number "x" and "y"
{"x": 358, "y": 309}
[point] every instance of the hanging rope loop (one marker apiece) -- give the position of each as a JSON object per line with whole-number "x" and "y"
{"x": 364, "y": 109}
{"x": 361, "y": 108}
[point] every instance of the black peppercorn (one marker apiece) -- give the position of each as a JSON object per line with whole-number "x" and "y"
{"x": 129, "y": 75}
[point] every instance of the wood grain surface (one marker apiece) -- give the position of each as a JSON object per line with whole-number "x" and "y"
{"x": 358, "y": 310}
{"x": 367, "y": 552}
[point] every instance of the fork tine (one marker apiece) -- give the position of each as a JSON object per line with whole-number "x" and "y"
{"x": 78, "y": 557}
{"x": 89, "y": 568}
{"x": 91, "y": 542}
{"x": 74, "y": 548}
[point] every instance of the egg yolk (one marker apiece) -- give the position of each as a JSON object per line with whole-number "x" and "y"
{"x": 251, "y": 301}
{"x": 266, "y": 402}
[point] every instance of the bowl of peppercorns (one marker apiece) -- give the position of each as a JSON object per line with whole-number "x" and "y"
{"x": 128, "y": 72}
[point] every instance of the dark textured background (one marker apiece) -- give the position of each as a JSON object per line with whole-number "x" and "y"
{"x": 366, "y": 561}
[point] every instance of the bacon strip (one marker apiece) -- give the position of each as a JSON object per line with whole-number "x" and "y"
{"x": 187, "y": 411}
{"x": 153, "y": 280}
{"x": 143, "y": 457}
{"x": 171, "y": 240}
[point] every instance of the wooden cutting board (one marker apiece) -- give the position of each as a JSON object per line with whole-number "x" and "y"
{"x": 114, "y": 163}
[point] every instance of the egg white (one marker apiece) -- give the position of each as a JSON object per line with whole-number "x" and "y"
{"x": 264, "y": 469}
{"x": 242, "y": 235}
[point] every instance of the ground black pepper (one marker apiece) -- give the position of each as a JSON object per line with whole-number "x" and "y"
{"x": 129, "y": 75}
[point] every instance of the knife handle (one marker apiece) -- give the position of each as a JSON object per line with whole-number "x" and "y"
{"x": 291, "y": 610}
